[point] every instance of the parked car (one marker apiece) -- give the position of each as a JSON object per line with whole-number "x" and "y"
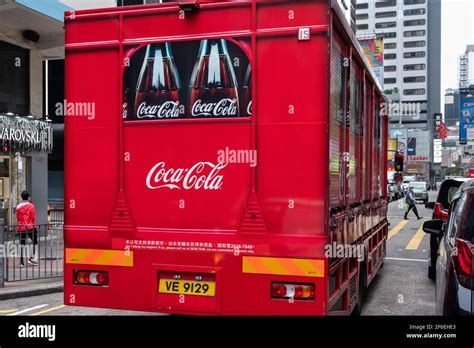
{"x": 446, "y": 192}
{"x": 454, "y": 265}
{"x": 394, "y": 191}
{"x": 420, "y": 191}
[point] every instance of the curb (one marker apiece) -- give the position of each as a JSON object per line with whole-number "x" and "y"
{"x": 37, "y": 291}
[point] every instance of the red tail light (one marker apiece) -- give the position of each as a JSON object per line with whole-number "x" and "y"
{"x": 463, "y": 263}
{"x": 440, "y": 213}
{"x": 99, "y": 278}
{"x": 294, "y": 291}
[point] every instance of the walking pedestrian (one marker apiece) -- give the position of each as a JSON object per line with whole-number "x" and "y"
{"x": 411, "y": 203}
{"x": 26, "y": 217}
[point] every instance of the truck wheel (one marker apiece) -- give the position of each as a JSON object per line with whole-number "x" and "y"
{"x": 362, "y": 289}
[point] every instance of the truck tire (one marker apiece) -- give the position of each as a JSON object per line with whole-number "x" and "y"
{"x": 362, "y": 289}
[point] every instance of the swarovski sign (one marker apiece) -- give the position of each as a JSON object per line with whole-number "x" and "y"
{"x": 26, "y": 134}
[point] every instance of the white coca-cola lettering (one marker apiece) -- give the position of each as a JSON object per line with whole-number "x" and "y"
{"x": 169, "y": 109}
{"x": 196, "y": 177}
{"x": 249, "y": 108}
{"x": 225, "y": 107}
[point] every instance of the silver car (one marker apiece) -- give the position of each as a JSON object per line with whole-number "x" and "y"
{"x": 420, "y": 190}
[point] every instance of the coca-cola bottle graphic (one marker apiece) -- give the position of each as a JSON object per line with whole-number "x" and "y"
{"x": 213, "y": 86}
{"x": 126, "y": 103}
{"x": 158, "y": 87}
{"x": 247, "y": 99}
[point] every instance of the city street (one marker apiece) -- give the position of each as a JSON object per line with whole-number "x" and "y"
{"x": 401, "y": 288}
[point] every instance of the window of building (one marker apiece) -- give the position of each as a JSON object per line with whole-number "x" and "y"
{"x": 389, "y": 35}
{"x": 412, "y": 33}
{"x": 386, "y": 3}
{"x": 414, "y": 79}
{"x": 390, "y": 56}
{"x": 14, "y": 79}
{"x": 390, "y": 80}
{"x": 414, "y": 22}
{"x": 417, "y": 91}
{"x": 412, "y": 44}
{"x": 385, "y": 25}
{"x": 413, "y": 67}
{"x": 362, "y": 26}
{"x": 420, "y": 54}
{"x": 390, "y": 68}
{"x": 390, "y": 46}
{"x": 414, "y": 2}
{"x": 386, "y": 14}
{"x": 362, "y": 16}
{"x": 415, "y": 12}
{"x": 362, "y": 6}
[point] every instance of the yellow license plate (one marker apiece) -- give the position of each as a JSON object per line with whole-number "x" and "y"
{"x": 187, "y": 287}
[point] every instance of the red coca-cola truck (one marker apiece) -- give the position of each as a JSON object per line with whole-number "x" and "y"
{"x": 235, "y": 163}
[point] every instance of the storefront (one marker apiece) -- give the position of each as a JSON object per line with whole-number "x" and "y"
{"x": 24, "y": 147}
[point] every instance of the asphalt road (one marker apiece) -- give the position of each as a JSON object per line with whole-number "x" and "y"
{"x": 401, "y": 288}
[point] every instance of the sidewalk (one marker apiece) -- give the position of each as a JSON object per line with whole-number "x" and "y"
{"x": 27, "y": 288}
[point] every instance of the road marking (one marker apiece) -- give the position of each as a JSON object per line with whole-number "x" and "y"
{"x": 8, "y": 310}
{"x": 415, "y": 242}
{"x": 397, "y": 228}
{"x": 28, "y": 309}
{"x": 401, "y": 259}
{"x": 48, "y": 310}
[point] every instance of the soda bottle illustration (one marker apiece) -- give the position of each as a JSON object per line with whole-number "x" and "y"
{"x": 213, "y": 86}
{"x": 126, "y": 103}
{"x": 247, "y": 99}
{"x": 158, "y": 87}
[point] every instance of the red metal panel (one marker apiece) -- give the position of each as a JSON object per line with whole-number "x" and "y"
{"x": 87, "y": 32}
{"x": 291, "y": 133}
{"x": 281, "y": 14}
{"x": 173, "y": 24}
{"x": 91, "y": 150}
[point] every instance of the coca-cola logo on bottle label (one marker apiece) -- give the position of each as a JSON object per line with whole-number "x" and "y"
{"x": 202, "y": 175}
{"x": 225, "y": 107}
{"x": 249, "y": 108}
{"x": 169, "y": 109}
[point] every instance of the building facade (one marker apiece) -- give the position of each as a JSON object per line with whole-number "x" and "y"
{"x": 466, "y": 68}
{"x": 412, "y": 45}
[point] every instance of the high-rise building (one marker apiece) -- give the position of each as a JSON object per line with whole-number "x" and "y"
{"x": 466, "y": 68}
{"x": 412, "y": 71}
{"x": 451, "y": 107}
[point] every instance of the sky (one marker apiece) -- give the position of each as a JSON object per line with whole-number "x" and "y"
{"x": 457, "y": 31}
{"x": 84, "y": 4}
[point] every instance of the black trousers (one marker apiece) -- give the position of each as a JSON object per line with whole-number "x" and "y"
{"x": 33, "y": 235}
{"x": 410, "y": 207}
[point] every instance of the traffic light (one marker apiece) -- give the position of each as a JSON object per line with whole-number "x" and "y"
{"x": 399, "y": 162}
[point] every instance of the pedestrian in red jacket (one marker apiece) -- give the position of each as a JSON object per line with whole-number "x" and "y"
{"x": 26, "y": 217}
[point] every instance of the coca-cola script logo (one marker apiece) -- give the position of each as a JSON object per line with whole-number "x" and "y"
{"x": 169, "y": 109}
{"x": 202, "y": 175}
{"x": 249, "y": 108}
{"x": 225, "y": 107}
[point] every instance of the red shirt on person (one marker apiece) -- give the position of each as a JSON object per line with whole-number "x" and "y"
{"x": 26, "y": 216}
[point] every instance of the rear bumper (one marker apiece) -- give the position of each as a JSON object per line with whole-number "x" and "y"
{"x": 240, "y": 289}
